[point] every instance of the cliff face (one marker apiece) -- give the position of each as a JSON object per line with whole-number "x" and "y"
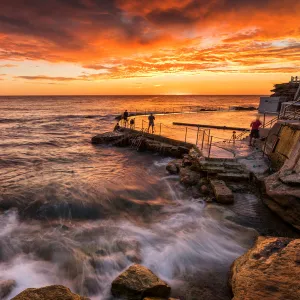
{"x": 287, "y": 90}
{"x": 283, "y": 187}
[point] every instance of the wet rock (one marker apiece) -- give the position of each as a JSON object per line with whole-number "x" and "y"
{"x": 196, "y": 193}
{"x": 189, "y": 177}
{"x": 6, "y": 286}
{"x": 222, "y": 193}
{"x": 53, "y": 292}
{"x": 172, "y": 168}
{"x": 183, "y": 150}
{"x": 138, "y": 282}
{"x": 108, "y": 137}
{"x": 204, "y": 189}
{"x": 270, "y": 270}
{"x": 186, "y": 161}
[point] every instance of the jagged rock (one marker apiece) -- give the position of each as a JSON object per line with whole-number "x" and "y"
{"x": 222, "y": 193}
{"x": 138, "y": 282}
{"x": 53, "y": 292}
{"x": 189, "y": 177}
{"x": 6, "y": 286}
{"x": 270, "y": 270}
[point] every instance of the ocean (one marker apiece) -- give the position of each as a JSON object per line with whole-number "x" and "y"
{"x": 77, "y": 214}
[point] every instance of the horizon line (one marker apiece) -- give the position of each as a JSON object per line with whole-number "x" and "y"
{"x": 131, "y": 95}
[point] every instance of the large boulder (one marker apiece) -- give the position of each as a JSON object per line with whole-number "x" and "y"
{"x": 138, "y": 282}
{"x": 53, "y": 292}
{"x": 269, "y": 271}
{"x": 6, "y": 286}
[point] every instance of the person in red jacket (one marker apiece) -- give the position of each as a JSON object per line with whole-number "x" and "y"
{"x": 254, "y": 134}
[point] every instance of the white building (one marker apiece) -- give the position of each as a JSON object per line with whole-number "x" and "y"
{"x": 270, "y": 105}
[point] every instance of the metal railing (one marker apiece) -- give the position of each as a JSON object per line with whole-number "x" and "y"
{"x": 201, "y": 138}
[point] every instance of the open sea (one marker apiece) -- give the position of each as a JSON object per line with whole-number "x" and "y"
{"x": 76, "y": 214}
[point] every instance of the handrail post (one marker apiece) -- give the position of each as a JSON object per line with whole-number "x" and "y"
{"x": 185, "y": 134}
{"x": 210, "y": 146}
{"x": 203, "y": 139}
{"x": 264, "y": 120}
{"x": 160, "y": 129}
{"x": 142, "y": 124}
{"x": 197, "y": 135}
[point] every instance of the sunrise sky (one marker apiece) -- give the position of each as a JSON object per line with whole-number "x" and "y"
{"x": 147, "y": 47}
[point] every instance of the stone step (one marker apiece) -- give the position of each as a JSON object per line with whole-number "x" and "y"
{"x": 227, "y": 165}
{"x": 213, "y": 170}
{"x": 216, "y": 159}
{"x": 221, "y": 191}
{"x": 233, "y": 176}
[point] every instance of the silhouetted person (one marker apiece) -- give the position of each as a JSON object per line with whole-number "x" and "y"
{"x": 125, "y": 117}
{"x": 132, "y": 121}
{"x": 151, "y": 119}
{"x": 117, "y": 127}
{"x": 254, "y": 134}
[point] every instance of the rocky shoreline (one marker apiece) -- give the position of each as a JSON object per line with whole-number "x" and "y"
{"x": 269, "y": 270}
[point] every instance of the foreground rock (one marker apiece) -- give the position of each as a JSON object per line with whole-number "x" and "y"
{"x": 6, "y": 286}
{"x": 222, "y": 193}
{"x": 269, "y": 271}
{"x": 138, "y": 282}
{"x": 53, "y": 292}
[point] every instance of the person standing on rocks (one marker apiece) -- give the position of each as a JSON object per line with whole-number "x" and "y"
{"x": 125, "y": 117}
{"x": 132, "y": 123}
{"x": 151, "y": 119}
{"x": 254, "y": 134}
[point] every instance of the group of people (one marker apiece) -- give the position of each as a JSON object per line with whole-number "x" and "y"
{"x": 125, "y": 118}
{"x": 254, "y": 134}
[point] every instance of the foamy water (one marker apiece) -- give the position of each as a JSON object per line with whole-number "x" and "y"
{"x": 78, "y": 215}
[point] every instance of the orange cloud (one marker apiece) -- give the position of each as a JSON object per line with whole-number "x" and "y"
{"x": 134, "y": 38}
